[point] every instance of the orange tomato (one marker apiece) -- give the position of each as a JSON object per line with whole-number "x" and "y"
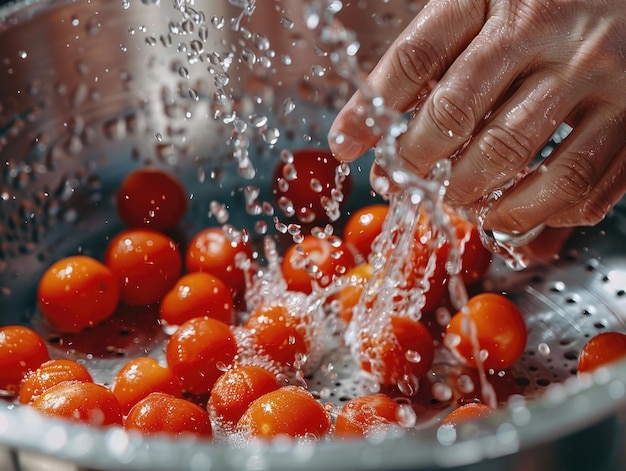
{"x": 141, "y": 376}
{"x": 195, "y": 295}
{"x": 163, "y": 413}
{"x": 199, "y": 352}
{"x": 467, "y": 413}
{"x": 499, "y": 329}
{"x": 290, "y": 411}
{"x": 305, "y": 185}
{"x": 50, "y": 374}
{"x": 21, "y": 350}
{"x": 277, "y": 333}
{"x": 349, "y": 295}
{"x": 314, "y": 259}
{"x": 363, "y": 226}
{"x": 212, "y": 251}
{"x": 400, "y": 356}
{"x": 152, "y": 198}
{"x": 146, "y": 264}
{"x": 77, "y": 292}
{"x": 601, "y": 350}
{"x": 235, "y": 390}
{"x": 366, "y": 414}
{"x": 80, "y": 401}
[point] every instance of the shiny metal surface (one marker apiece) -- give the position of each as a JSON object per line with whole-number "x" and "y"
{"x": 90, "y": 90}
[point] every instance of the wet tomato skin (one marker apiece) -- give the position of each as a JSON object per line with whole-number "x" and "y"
{"x": 290, "y": 411}
{"x": 307, "y": 183}
{"x": 500, "y": 330}
{"x": 364, "y": 414}
{"x": 198, "y": 353}
{"x": 85, "y": 402}
{"x": 163, "y": 413}
{"x": 467, "y": 413}
{"x": 236, "y": 389}
{"x": 601, "y": 350}
{"x": 141, "y": 376}
{"x": 50, "y": 374}
{"x": 350, "y": 294}
{"x": 146, "y": 264}
{"x": 22, "y": 350}
{"x": 363, "y": 226}
{"x": 77, "y": 292}
{"x": 211, "y": 250}
{"x": 195, "y": 295}
{"x": 331, "y": 260}
{"x": 151, "y": 198}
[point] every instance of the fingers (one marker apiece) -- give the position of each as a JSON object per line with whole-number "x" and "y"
{"x": 512, "y": 137}
{"x": 419, "y": 56}
{"x": 578, "y": 183}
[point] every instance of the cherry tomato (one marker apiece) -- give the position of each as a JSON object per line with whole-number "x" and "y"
{"x": 152, "y": 198}
{"x": 146, "y": 264}
{"x": 21, "y": 350}
{"x": 141, "y": 376}
{"x": 304, "y": 186}
{"x": 290, "y": 411}
{"x": 277, "y": 333}
{"x": 315, "y": 259}
{"x": 199, "y": 352}
{"x": 363, "y": 415}
{"x": 499, "y": 329}
{"x": 601, "y": 350}
{"x": 400, "y": 356}
{"x": 50, "y": 374}
{"x": 212, "y": 250}
{"x": 80, "y": 401}
{"x": 235, "y": 390}
{"x": 363, "y": 226}
{"x": 349, "y": 295}
{"x": 467, "y": 413}
{"x": 77, "y": 292}
{"x": 195, "y": 295}
{"x": 163, "y": 413}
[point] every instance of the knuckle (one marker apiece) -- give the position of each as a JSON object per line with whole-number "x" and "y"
{"x": 575, "y": 176}
{"x": 505, "y": 149}
{"x": 450, "y": 115}
{"x": 416, "y": 63}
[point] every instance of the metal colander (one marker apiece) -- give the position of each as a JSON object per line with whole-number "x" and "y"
{"x": 91, "y": 90}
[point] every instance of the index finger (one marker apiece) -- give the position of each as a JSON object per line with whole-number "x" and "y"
{"x": 419, "y": 56}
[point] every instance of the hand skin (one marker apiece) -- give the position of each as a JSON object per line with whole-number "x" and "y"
{"x": 490, "y": 81}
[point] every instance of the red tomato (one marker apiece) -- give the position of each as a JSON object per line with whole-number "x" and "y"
{"x": 363, "y": 226}
{"x": 212, "y": 251}
{"x": 80, "y": 401}
{"x": 195, "y": 295}
{"x": 304, "y": 187}
{"x": 400, "y": 356}
{"x": 500, "y": 331}
{"x": 235, "y": 390}
{"x": 366, "y": 414}
{"x": 601, "y": 350}
{"x": 21, "y": 350}
{"x": 277, "y": 333}
{"x": 349, "y": 295}
{"x": 315, "y": 259}
{"x": 163, "y": 413}
{"x": 467, "y": 413}
{"x": 50, "y": 374}
{"x": 290, "y": 411}
{"x": 152, "y": 198}
{"x": 199, "y": 352}
{"x": 141, "y": 376}
{"x": 77, "y": 292}
{"x": 146, "y": 264}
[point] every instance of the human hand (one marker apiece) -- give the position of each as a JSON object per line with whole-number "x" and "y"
{"x": 490, "y": 82}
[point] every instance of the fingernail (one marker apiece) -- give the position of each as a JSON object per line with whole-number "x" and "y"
{"x": 344, "y": 147}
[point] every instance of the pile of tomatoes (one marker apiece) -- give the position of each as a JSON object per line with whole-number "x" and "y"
{"x": 236, "y": 366}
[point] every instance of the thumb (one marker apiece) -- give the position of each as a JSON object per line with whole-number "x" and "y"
{"x": 406, "y": 72}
